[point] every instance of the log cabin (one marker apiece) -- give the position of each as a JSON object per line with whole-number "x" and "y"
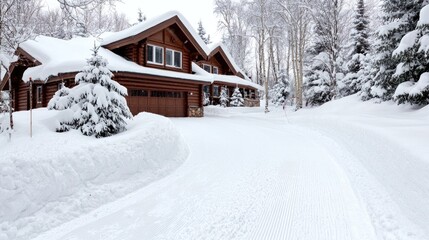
{"x": 163, "y": 63}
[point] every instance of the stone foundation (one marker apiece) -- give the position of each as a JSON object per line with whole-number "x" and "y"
{"x": 195, "y": 112}
{"x": 252, "y": 102}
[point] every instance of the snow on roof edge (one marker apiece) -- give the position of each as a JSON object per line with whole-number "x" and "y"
{"x": 143, "y": 26}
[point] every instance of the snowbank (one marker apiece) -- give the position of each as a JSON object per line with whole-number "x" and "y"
{"x": 53, "y": 177}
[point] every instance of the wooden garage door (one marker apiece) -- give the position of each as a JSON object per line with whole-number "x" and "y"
{"x": 166, "y": 103}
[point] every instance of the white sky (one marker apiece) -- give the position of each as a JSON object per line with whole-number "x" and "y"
{"x": 193, "y": 10}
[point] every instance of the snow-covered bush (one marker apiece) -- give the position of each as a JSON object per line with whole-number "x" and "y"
{"x": 4, "y": 110}
{"x": 98, "y": 106}
{"x": 206, "y": 99}
{"x": 237, "y": 98}
{"x": 224, "y": 97}
{"x": 61, "y": 99}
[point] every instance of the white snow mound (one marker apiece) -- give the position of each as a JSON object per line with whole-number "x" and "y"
{"x": 54, "y": 177}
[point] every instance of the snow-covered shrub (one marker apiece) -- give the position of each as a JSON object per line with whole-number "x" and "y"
{"x": 61, "y": 99}
{"x": 98, "y": 105}
{"x": 4, "y": 110}
{"x": 206, "y": 99}
{"x": 224, "y": 97}
{"x": 237, "y": 98}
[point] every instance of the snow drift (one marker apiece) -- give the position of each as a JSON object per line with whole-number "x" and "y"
{"x": 53, "y": 177}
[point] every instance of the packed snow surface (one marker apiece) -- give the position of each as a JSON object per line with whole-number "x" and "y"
{"x": 54, "y": 177}
{"x": 346, "y": 170}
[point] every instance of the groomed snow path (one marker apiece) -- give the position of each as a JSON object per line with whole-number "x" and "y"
{"x": 249, "y": 177}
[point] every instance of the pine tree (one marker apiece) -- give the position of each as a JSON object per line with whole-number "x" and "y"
{"x": 141, "y": 16}
{"x": 224, "y": 97}
{"x": 400, "y": 17}
{"x": 61, "y": 99}
{"x": 318, "y": 87}
{"x": 360, "y": 47}
{"x": 413, "y": 70}
{"x": 237, "y": 98}
{"x": 202, "y": 33}
{"x": 206, "y": 99}
{"x": 281, "y": 90}
{"x": 99, "y": 107}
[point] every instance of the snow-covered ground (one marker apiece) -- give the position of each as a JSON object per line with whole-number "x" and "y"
{"x": 346, "y": 170}
{"x": 54, "y": 177}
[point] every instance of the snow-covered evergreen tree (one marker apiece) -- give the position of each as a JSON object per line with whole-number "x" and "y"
{"x": 281, "y": 91}
{"x": 400, "y": 17}
{"x": 61, "y": 99}
{"x": 202, "y": 33}
{"x": 206, "y": 99}
{"x": 360, "y": 47}
{"x": 224, "y": 97}
{"x": 98, "y": 107}
{"x": 413, "y": 70}
{"x": 236, "y": 98}
{"x": 318, "y": 87}
{"x": 141, "y": 16}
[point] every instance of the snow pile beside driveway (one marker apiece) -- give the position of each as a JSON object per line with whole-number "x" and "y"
{"x": 54, "y": 177}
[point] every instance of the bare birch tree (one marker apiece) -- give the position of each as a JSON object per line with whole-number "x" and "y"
{"x": 296, "y": 16}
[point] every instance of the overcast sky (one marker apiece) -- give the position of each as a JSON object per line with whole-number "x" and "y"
{"x": 193, "y": 10}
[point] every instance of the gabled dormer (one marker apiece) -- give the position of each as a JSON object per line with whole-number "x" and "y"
{"x": 167, "y": 42}
{"x": 219, "y": 61}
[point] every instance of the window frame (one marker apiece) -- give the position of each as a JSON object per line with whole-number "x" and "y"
{"x": 208, "y": 65}
{"x": 154, "y": 47}
{"x": 173, "y": 58}
{"x": 213, "y": 70}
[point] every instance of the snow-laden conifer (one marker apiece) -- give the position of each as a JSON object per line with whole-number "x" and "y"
{"x": 224, "y": 97}
{"x": 400, "y": 17}
{"x": 61, "y": 99}
{"x": 202, "y": 33}
{"x": 206, "y": 99}
{"x": 236, "y": 98}
{"x": 281, "y": 91}
{"x": 359, "y": 48}
{"x": 413, "y": 70}
{"x": 98, "y": 107}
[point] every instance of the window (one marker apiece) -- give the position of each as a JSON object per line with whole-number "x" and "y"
{"x": 207, "y": 89}
{"x": 216, "y": 91}
{"x": 208, "y": 68}
{"x": 155, "y": 54}
{"x": 173, "y": 58}
{"x": 39, "y": 94}
{"x": 138, "y": 93}
{"x": 215, "y": 70}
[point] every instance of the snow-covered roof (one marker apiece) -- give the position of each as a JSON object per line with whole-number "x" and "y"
{"x": 225, "y": 49}
{"x": 65, "y": 56}
{"x": 143, "y": 26}
{"x": 225, "y": 78}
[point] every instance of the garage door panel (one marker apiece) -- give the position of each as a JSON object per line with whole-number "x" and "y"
{"x": 166, "y": 103}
